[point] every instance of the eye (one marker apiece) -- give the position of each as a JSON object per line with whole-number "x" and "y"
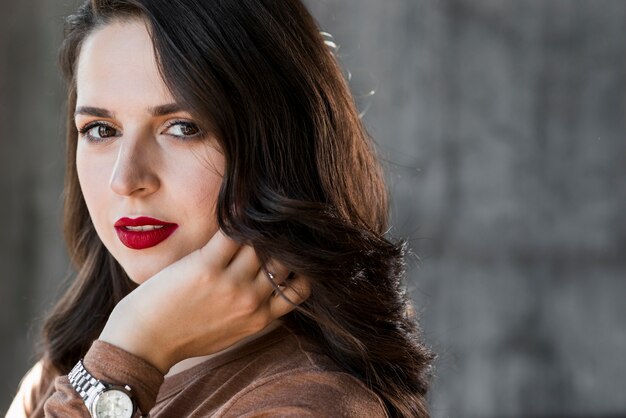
{"x": 98, "y": 131}
{"x": 183, "y": 129}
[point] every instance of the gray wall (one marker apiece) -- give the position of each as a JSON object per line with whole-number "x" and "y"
{"x": 32, "y": 257}
{"x": 502, "y": 126}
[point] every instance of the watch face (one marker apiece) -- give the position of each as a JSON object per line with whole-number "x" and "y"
{"x": 113, "y": 404}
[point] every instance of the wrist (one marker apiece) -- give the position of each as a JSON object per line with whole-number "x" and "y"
{"x": 160, "y": 362}
{"x": 123, "y": 334}
{"x": 101, "y": 398}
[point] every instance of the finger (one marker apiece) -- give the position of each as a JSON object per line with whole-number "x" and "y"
{"x": 220, "y": 249}
{"x": 290, "y": 295}
{"x": 275, "y": 271}
{"x": 245, "y": 265}
{"x": 272, "y": 274}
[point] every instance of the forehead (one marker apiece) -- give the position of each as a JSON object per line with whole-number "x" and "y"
{"x": 117, "y": 65}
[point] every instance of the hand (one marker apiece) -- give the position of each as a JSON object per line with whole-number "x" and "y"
{"x": 201, "y": 304}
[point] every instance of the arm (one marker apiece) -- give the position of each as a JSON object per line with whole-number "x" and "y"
{"x": 199, "y": 305}
{"x": 114, "y": 365}
{"x": 23, "y": 401}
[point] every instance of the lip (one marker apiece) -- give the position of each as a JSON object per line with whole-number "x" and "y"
{"x": 139, "y": 240}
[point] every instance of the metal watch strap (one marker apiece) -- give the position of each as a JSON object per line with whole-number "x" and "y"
{"x": 85, "y": 384}
{"x": 89, "y": 388}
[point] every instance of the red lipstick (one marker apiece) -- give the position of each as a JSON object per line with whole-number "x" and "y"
{"x": 143, "y": 232}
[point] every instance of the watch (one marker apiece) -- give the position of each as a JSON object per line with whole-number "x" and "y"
{"x": 103, "y": 400}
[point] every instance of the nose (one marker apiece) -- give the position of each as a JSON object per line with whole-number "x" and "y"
{"x": 135, "y": 172}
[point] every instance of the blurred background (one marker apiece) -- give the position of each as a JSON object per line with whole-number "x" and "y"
{"x": 501, "y": 124}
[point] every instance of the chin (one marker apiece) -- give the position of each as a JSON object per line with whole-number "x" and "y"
{"x": 140, "y": 275}
{"x": 137, "y": 279}
{"x": 141, "y": 265}
{"x": 139, "y": 271}
{"x": 136, "y": 270}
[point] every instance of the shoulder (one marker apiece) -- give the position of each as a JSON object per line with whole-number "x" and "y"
{"x": 310, "y": 392}
{"x": 305, "y": 383}
{"x": 23, "y": 402}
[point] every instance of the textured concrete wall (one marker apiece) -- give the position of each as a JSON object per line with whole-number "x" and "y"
{"x": 502, "y": 124}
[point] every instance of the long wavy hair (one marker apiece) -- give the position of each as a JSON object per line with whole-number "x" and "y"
{"x": 302, "y": 184}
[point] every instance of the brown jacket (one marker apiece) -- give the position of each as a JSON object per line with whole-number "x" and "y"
{"x": 278, "y": 374}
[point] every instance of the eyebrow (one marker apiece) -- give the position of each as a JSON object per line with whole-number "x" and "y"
{"x": 155, "y": 111}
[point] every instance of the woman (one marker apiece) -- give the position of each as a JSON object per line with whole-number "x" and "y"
{"x": 226, "y": 213}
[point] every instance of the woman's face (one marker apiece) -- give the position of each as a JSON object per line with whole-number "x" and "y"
{"x": 150, "y": 178}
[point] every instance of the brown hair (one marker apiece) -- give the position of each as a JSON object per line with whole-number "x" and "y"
{"x": 302, "y": 184}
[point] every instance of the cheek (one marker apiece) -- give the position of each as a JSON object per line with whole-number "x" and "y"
{"x": 204, "y": 181}
{"x": 198, "y": 197}
{"x": 202, "y": 194}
